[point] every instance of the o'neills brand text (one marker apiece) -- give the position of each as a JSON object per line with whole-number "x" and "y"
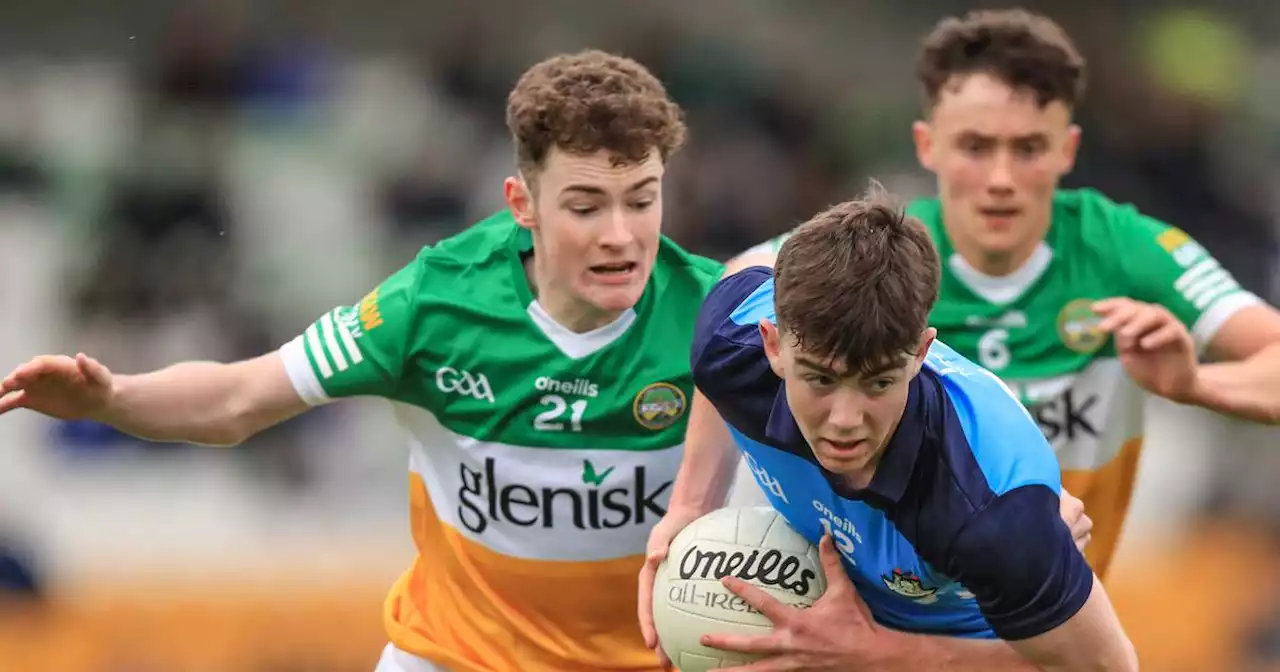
{"x": 581, "y": 387}
{"x": 487, "y": 496}
{"x": 766, "y": 567}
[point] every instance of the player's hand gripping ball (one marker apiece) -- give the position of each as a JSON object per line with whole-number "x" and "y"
{"x": 754, "y": 544}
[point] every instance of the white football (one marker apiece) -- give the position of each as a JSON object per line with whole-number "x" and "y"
{"x": 755, "y": 544}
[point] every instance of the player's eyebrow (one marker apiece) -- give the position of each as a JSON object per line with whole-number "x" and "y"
{"x": 818, "y": 367}
{"x": 1037, "y": 137}
{"x": 597, "y": 191}
{"x": 882, "y": 369}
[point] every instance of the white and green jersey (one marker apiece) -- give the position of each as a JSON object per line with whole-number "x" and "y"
{"x": 1036, "y": 330}
{"x": 540, "y": 458}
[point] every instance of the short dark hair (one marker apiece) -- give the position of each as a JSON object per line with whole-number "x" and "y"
{"x": 1024, "y": 50}
{"x": 856, "y": 283}
{"x": 589, "y": 101}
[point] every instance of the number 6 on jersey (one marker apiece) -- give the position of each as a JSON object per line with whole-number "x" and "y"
{"x": 993, "y": 352}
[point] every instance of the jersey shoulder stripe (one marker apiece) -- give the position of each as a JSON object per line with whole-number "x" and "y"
{"x": 1004, "y": 440}
{"x": 727, "y": 357}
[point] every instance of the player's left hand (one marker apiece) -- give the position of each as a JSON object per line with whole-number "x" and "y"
{"x": 1154, "y": 347}
{"x": 1071, "y": 509}
{"x": 835, "y": 633}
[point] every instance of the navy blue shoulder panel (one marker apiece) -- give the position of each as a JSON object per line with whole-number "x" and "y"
{"x": 728, "y": 361}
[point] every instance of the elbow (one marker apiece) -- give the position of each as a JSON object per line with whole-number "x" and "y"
{"x": 1115, "y": 655}
{"x": 1124, "y": 658}
{"x": 221, "y": 437}
{"x": 227, "y": 438}
{"x": 1129, "y": 661}
{"x": 232, "y": 426}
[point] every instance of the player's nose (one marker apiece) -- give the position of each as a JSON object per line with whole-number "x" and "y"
{"x": 1001, "y": 176}
{"x": 616, "y": 231}
{"x": 848, "y": 413}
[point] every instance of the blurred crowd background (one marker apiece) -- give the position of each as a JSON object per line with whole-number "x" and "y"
{"x": 201, "y": 180}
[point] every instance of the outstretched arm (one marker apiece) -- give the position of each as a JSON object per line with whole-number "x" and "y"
{"x": 205, "y": 402}
{"x": 1158, "y": 352}
{"x": 352, "y": 350}
{"x": 1247, "y": 384}
{"x": 710, "y": 457}
{"x": 1166, "y": 267}
{"x": 194, "y": 402}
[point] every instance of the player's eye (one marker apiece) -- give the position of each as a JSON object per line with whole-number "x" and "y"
{"x": 881, "y": 384}
{"x": 819, "y": 380}
{"x": 1028, "y": 150}
{"x": 642, "y": 205}
{"x": 582, "y": 210}
{"x": 976, "y": 146}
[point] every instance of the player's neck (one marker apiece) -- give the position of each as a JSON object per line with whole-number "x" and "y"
{"x": 574, "y": 315}
{"x": 994, "y": 263}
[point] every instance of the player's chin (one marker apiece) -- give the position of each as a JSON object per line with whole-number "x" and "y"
{"x": 843, "y": 461}
{"x": 616, "y": 298}
{"x": 1003, "y": 242}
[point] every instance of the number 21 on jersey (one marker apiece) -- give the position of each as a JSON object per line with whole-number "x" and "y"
{"x": 553, "y": 418}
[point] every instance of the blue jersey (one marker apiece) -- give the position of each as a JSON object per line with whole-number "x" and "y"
{"x": 958, "y": 532}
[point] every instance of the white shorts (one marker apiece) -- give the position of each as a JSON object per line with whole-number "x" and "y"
{"x": 395, "y": 660}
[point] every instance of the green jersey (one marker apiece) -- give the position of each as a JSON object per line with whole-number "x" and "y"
{"x": 1035, "y": 327}
{"x": 539, "y": 457}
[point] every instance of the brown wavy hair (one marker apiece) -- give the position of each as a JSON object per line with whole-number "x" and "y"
{"x": 591, "y": 101}
{"x": 856, "y": 283}
{"x": 1024, "y": 50}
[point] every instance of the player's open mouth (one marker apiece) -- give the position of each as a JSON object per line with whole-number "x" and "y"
{"x": 620, "y": 268}
{"x": 844, "y": 446}
{"x": 1000, "y": 213}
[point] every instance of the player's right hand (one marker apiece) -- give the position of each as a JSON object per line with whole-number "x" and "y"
{"x": 660, "y": 539}
{"x": 59, "y": 386}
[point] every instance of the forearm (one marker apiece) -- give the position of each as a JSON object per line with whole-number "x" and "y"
{"x": 709, "y": 462}
{"x": 201, "y": 402}
{"x": 710, "y": 456}
{"x": 1248, "y": 389}
{"x": 925, "y": 652}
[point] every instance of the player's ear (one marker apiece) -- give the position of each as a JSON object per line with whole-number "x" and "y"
{"x": 519, "y": 197}
{"x": 1070, "y": 148}
{"x": 927, "y": 337}
{"x": 772, "y": 345}
{"x": 922, "y": 136}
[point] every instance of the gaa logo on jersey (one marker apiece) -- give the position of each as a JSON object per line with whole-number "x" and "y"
{"x": 463, "y": 383}
{"x": 659, "y": 406}
{"x": 1078, "y": 327}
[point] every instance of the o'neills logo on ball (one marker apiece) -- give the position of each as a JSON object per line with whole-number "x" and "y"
{"x": 766, "y": 567}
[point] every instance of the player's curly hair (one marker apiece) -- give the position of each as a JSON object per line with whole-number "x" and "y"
{"x": 589, "y": 101}
{"x": 1024, "y": 50}
{"x": 856, "y": 283}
